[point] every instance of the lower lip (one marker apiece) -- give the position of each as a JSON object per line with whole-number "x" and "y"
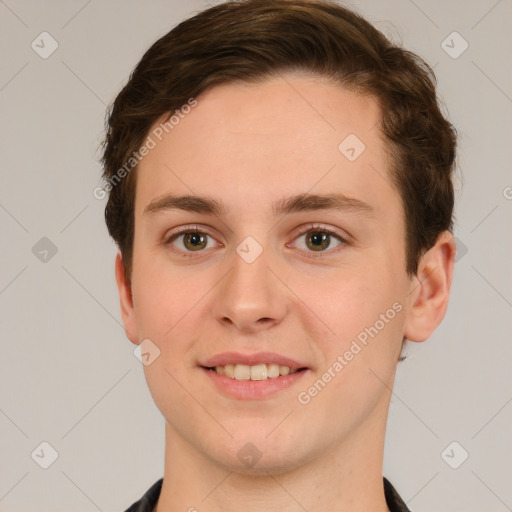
{"x": 253, "y": 389}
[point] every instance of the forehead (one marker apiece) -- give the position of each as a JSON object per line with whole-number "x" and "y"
{"x": 250, "y": 144}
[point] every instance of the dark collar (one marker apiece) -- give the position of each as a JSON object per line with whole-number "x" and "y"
{"x": 148, "y": 502}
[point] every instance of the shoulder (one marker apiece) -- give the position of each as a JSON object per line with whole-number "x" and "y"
{"x": 148, "y": 502}
{"x": 393, "y": 499}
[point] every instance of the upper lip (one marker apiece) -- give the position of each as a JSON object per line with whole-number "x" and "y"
{"x": 251, "y": 360}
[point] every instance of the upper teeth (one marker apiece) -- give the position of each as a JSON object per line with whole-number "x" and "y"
{"x": 257, "y": 372}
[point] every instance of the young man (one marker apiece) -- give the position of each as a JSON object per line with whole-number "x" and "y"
{"x": 280, "y": 192}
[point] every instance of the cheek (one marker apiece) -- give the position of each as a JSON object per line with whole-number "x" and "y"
{"x": 359, "y": 369}
{"x": 365, "y": 315}
{"x": 161, "y": 295}
{"x": 171, "y": 310}
{"x": 162, "y": 309}
{"x": 345, "y": 301}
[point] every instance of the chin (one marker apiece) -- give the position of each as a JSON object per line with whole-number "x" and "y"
{"x": 274, "y": 464}
{"x": 248, "y": 455}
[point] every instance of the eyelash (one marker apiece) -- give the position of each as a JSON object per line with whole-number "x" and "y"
{"x": 195, "y": 229}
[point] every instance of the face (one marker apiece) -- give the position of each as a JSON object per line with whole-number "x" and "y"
{"x": 293, "y": 264}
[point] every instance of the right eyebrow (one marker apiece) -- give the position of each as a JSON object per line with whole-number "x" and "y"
{"x": 189, "y": 203}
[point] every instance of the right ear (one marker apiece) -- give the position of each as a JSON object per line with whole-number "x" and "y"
{"x": 126, "y": 301}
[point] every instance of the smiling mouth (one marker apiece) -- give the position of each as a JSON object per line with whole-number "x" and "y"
{"x": 256, "y": 372}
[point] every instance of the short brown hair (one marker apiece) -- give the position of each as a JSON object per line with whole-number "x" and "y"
{"x": 251, "y": 40}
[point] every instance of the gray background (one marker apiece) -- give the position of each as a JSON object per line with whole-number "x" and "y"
{"x": 69, "y": 376}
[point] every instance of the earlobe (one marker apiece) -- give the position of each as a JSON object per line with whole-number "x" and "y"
{"x": 430, "y": 290}
{"x": 126, "y": 301}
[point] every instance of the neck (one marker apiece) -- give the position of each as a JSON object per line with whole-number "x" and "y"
{"x": 348, "y": 477}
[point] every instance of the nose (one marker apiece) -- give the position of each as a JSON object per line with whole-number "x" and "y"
{"x": 251, "y": 298}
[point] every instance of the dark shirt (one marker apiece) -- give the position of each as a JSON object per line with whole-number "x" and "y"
{"x": 148, "y": 502}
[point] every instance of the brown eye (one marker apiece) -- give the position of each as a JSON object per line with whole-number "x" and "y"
{"x": 189, "y": 241}
{"x": 319, "y": 239}
{"x": 194, "y": 241}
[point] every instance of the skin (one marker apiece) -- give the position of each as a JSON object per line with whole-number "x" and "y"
{"x": 248, "y": 145}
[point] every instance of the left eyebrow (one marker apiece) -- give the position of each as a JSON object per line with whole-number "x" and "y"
{"x": 315, "y": 202}
{"x": 283, "y": 206}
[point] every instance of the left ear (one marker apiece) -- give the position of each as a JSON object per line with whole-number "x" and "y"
{"x": 428, "y": 298}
